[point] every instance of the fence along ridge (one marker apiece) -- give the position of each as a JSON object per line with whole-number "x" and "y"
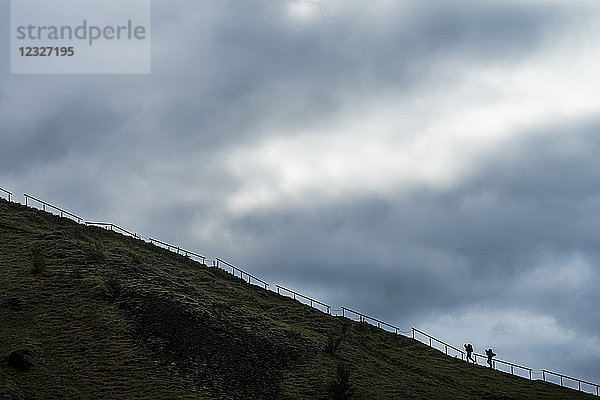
{"x": 328, "y": 307}
{"x": 579, "y": 381}
{"x": 432, "y": 339}
{"x": 242, "y": 272}
{"x": 364, "y": 317}
{"x": 113, "y": 227}
{"x": 510, "y": 364}
{"x": 6, "y": 192}
{"x": 184, "y": 251}
{"x": 46, "y": 204}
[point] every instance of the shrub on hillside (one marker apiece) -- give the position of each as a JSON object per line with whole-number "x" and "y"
{"x": 334, "y": 340}
{"x": 332, "y": 343}
{"x": 340, "y": 388}
{"x": 113, "y": 284}
{"x": 38, "y": 259}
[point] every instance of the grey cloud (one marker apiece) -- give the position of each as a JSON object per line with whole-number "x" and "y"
{"x": 250, "y": 72}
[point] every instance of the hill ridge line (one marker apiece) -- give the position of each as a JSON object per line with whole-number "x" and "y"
{"x": 362, "y": 317}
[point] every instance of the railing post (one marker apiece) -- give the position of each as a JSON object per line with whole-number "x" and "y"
{"x": 561, "y": 381}
{"x": 446, "y": 349}
{"x": 430, "y": 342}
{"x": 512, "y": 372}
{"x": 413, "y": 333}
{"x": 543, "y": 375}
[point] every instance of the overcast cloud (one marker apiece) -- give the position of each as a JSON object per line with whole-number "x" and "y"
{"x": 434, "y": 165}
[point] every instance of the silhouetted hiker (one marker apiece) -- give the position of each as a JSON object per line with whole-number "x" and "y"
{"x": 469, "y": 349}
{"x": 489, "y": 353}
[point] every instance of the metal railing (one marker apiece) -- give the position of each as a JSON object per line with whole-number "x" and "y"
{"x": 179, "y": 250}
{"x": 511, "y": 365}
{"x": 114, "y": 228}
{"x": 435, "y": 340}
{"x": 241, "y": 272}
{"x": 579, "y": 381}
{"x": 46, "y": 204}
{"x": 6, "y": 192}
{"x": 327, "y": 307}
{"x": 366, "y": 318}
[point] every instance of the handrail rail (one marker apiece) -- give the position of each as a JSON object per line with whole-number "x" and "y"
{"x": 242, "y": 272}
{"x": 431, "y": 339}
{"x": 27, "y": 197}
{"x": 113, "y": 227}
{"x": 304, "y": 297}
{"x": 512, "y": 365}
{"x": 364, "y": 317}
{"x": 186, "y": 252}
{"x": 579, "y": 381}
{"x": 7, "y": 192}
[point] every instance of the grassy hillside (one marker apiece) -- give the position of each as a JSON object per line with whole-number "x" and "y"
{"x": 111, "y": 317}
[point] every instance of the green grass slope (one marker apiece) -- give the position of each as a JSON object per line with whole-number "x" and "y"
{"x": 112, "y": 317}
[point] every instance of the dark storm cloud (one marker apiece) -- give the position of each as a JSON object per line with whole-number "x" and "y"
{"x": 81, "y": 129}
{"x": 251, "y": 69}
{"x": 239, "y": 71}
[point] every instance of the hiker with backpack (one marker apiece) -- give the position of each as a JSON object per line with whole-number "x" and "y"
{"x": 469, "y": 350}
{"x": 489, "y": 353}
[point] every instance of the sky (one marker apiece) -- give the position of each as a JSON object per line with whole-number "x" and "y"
{"x": 432, "y": 164}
